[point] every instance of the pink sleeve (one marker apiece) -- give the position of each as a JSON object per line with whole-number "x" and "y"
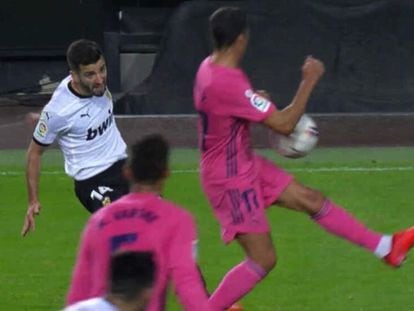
{"x": 81, "y": 277}
{"x": 240, "y": 100}
{"x": 185, "y": 274}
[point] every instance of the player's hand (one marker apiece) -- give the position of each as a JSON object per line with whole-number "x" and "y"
{"x": 312, "y": 69}
{"x": 29, "y": 220}
{"x": 264, "y": 94}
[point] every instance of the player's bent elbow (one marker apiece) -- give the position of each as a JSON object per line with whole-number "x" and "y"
{"x": 279, "y": 126}
{"x": 284, "y": 129}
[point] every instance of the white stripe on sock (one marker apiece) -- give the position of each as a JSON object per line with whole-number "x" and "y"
{"x": 384, "y": 246}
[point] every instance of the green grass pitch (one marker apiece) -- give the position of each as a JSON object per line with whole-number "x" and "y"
{"x": 315, "y": 271}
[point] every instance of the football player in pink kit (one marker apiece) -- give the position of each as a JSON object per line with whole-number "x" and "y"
{"x": 142, "y": 221}
{"x": 240, "y": 184}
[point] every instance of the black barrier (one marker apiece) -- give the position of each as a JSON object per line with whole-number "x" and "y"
{"x": 38, "y": 27}
{"x": 366, "y": 45}
{"x": 34, "y": 37}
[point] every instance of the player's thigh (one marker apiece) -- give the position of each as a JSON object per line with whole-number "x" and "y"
{"x": 89, "y": 194}
{"x": 95, "y": 194}
{"x": 301, "y": 198}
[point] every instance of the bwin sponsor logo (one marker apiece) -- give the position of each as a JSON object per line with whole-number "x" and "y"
{"x": 92, "y": 133}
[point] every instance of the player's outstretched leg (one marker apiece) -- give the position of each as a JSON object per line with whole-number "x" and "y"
{"x": 393, "y": 250}
{"x": 337, "y": 221}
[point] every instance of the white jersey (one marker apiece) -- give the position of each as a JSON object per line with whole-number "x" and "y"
{"x": 85, "y": 129}
{"x": 93, "y": 304}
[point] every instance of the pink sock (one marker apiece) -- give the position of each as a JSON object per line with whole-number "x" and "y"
{"x": 337, "y": 221}
{"x": 236, "y": 283}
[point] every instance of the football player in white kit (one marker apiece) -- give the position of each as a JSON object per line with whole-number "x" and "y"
{"x": 79, "y": 116}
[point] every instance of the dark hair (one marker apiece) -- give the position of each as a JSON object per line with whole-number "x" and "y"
{"x": 82, "y": 52}
{"x": 149, "y": 159}
{"x": 130, "y": 273}
{"x": 226, "y": 24}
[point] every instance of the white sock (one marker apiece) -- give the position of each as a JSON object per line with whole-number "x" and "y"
{"x": 384, "y": 246}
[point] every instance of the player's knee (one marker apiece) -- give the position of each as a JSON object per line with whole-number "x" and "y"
{"x": 314, "y": 200}
{"x": 271, "y": 262}
{"x": 267, "y": 261}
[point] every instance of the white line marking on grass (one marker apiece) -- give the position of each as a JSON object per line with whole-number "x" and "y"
{"x": 354, "y": 169}
{"x": 10, "y": 124}
{"x": 331, "y": 169}
{"x": 15, "y": 173}
{"x": 309, "y": 170}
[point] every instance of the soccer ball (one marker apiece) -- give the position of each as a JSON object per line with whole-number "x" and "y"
{"x": 298, "y": 144}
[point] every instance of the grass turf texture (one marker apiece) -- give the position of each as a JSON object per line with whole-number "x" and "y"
{"x": 315, "y": 271}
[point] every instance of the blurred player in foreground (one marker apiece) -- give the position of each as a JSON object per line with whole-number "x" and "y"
{"x": 142, "y": 221}
{"x": 239, "y": 184}
{"x": 131, "y": 280}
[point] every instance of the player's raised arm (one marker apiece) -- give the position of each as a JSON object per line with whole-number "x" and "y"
{"x": 284, "y": 121}
{"x": 34, "y": 156}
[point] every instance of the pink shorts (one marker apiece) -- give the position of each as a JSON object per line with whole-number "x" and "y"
{"x": 239, "y": 204}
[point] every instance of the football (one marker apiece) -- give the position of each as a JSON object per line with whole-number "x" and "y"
{"x": 298, "y": 144}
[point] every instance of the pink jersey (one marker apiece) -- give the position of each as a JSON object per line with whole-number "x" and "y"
{"x": 226, "y": 103}
{"x": 141, "y": 221}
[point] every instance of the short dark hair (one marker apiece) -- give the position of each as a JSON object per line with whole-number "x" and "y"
{"x": 130, "y": 273}
{"x": 149, "y": 159}
{"x": 226, "y": 24}
{"x": 82, "y": 52}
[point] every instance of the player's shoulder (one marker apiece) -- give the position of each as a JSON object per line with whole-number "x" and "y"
{"x": 62, "y": 90}
{"x": 108, "y": 211}
{"x": 62, "y": 98}
{"x": 210, "y": 68}
{"x": 99, "y": 219}
{"x": 204, "y": 65}
{"x": 103, "y": 212}
{"x": 228, "y": 81}
{"x": 177, "y": 212}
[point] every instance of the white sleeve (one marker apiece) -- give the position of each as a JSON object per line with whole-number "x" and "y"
{"x": 48, "y": 127}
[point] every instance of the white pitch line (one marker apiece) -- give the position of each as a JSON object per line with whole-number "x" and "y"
{"x": 354, "y": 169}
{"x": 10, "y": 124}
{"x": 309, "y": 170}
{"x": 331, "y": 169}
